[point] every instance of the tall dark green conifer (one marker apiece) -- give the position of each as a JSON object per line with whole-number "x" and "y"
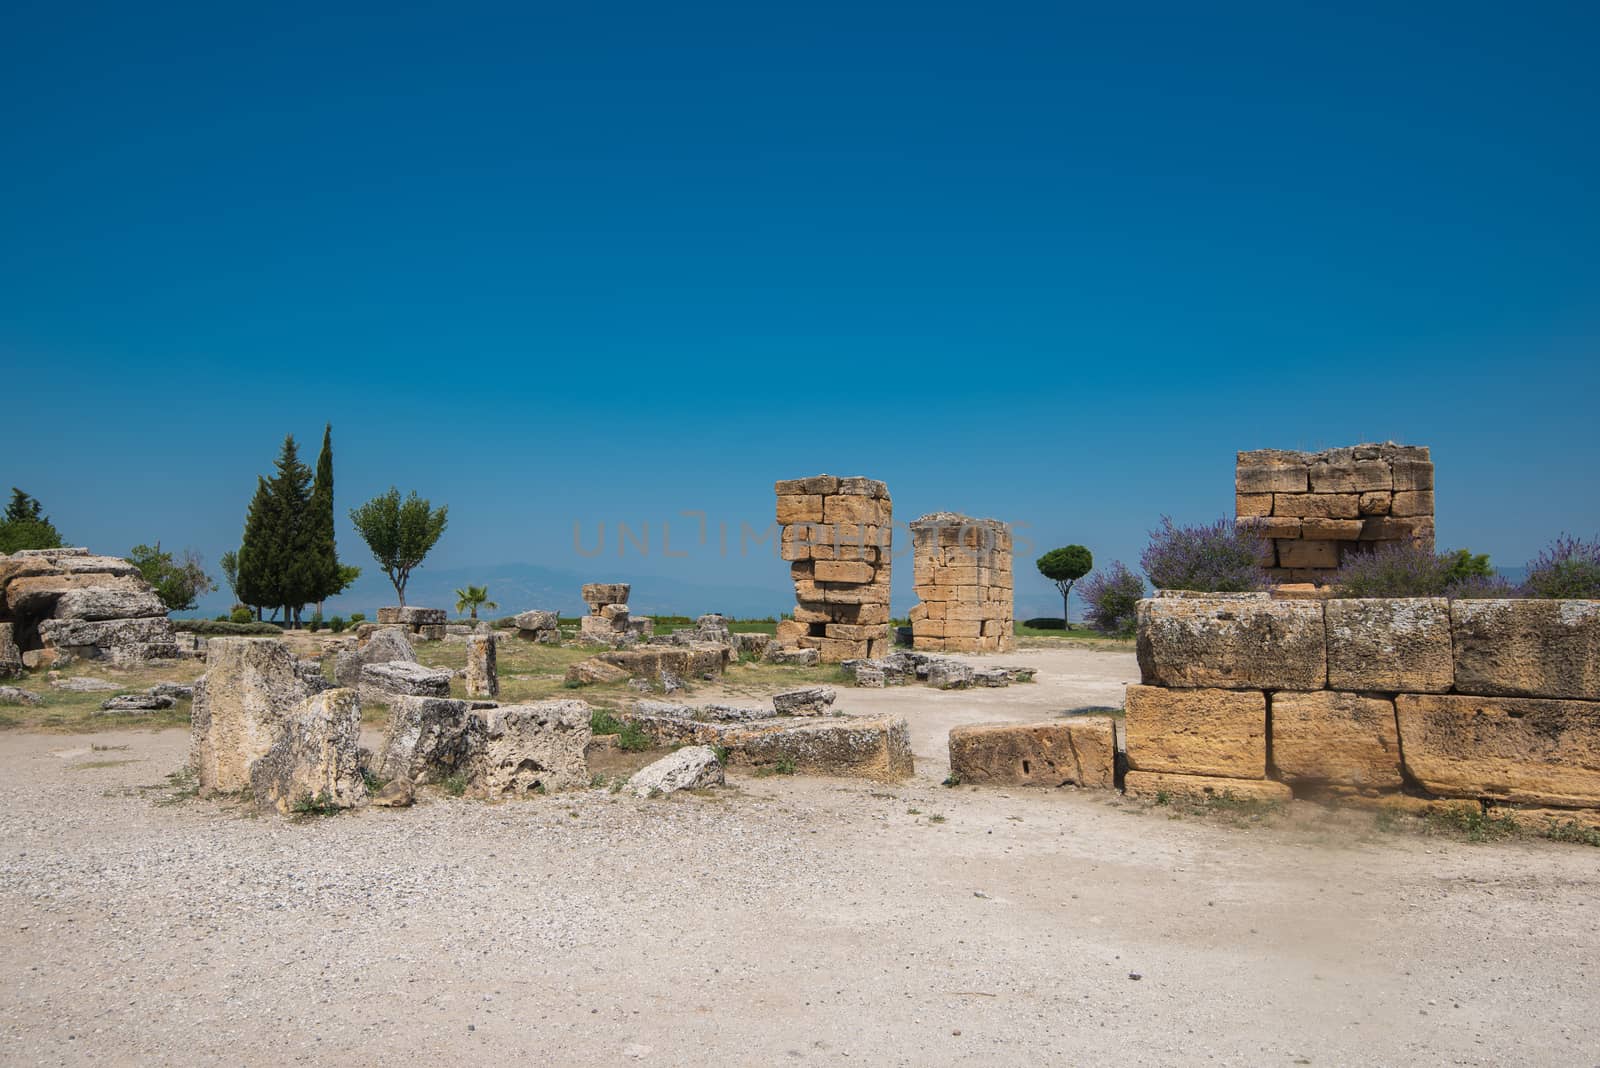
{"x": 320, "y": 518}
{"x": 294, "y": 556}
{"x": 258, "y": 586}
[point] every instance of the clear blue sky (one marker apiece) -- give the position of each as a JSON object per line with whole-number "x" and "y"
{"x": 579, "y": 263}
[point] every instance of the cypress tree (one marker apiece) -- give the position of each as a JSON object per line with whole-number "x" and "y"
{"x": 320, "y": 519}
{"x": 257, "y": 580}
{"x": 293, "y": 552}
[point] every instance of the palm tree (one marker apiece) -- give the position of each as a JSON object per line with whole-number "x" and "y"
{"x": 473, "y": 598}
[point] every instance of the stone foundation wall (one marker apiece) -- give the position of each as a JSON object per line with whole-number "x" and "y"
{"x": 1316, "y": 507}
{"x": 1414, "y": 702}
{"x": 836, "y": 534}
{"x": 962, "y": 571}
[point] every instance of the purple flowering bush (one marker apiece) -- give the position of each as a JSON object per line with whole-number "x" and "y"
{"x": 1398, "y": 570}
{"x": 1220, "y": 557}
{"x": 1569, "y": 567}
{"x": 1112, "y": 595}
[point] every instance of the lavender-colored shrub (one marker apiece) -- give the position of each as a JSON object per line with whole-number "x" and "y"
{"x": 1112, "y": 595}
{"x": 1569, "y": 567}
{"x": 1220, "y": 557}
{"x": 1400, "y": 570}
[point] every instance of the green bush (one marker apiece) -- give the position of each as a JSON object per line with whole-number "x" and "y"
{"x": 357, "y": 618}
{"x": 223, "y": 618}
{"x": 1045, "y": 623}
{"x": 336, "y": 624}
{"x": 213, "y": 628}
{"x": 241, "y": 614}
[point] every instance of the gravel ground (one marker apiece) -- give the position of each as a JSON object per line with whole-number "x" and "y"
{"x": 791, "y": 919}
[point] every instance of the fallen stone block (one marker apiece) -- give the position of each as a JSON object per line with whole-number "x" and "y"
{"x": 594, "y": 670}
{"x": 250, "y": 693}
{"x": 794, "y": 657}
{"x": 1197, "y": 732}
{"x": 532, "y": 748}
{"x": 84, "y": 684}
{"x": 1327, "y": 736}
{"x": 383, "y": 682}
{"x": 596, "y": 594}
{"x": 949, "y": 674}
{"x": 137, "y": 702}
{"x": 396, "y": 793}
{"x": 427, "y": 739}
{"x": 839, "y": 745}
{"x": 1238, "y": 641}
{"x": 16, "y": 695}
{"x": 1160, "y": 786}
{"x": 178, "y": 691}
{"x": 1535, "y": 751}
{"x": 1389, "y": 644}
{"x": 752, "y": 644}
{"x": 1077, "y": 752}
{"x": 807, "y": 701}
{"x": 538, "y": 626}
{"x": 385, "y": 646}
{"x": 694, "y": 767}
{"x": 1531, "y": 648}
{"x": 316, "y": 758}
{"x": 991, "y": 677}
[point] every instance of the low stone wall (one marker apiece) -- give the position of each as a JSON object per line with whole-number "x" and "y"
{"x": 1434, "y": 701}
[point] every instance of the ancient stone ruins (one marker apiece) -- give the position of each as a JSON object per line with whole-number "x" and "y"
{"x": 61, "y": 604}
{"x": 962, "y": 569}
{"x": 608, "y": 621}
{"x": 422, "y": 624}
{"x": 837, "y": 534}
{"x": 1317, "y": 507}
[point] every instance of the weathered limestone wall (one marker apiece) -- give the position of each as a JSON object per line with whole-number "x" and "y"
{"x": 66, "y": 603}
{"x": 1416, "y": 702}
{"x": 1315, "y": 507}
{"x": 836, "y": 534}
{"x": 962, "y": 569}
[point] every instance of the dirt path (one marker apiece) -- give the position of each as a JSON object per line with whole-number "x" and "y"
{"x": 786, "y": 919}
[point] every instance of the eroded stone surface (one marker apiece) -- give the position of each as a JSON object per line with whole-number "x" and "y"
{"x": 384, "y": 682}
{"x": 1389, "y": 644}
{"x": 1197, "y": 731}
{"x": 1243, "y": 641}
{"x": 1533, "y": 648}
{"x": 316, "y": 757}
{"x": 242, "y": 706}
{"x": 1328, "y": 736}
{"x": 807, "y": 701}
{"x": 1533, "y": 750}
{"x": 427, "y": 739}
{"x": 693, "y": 767}
{"x": 483, "y": 677}
{"x": 1157, "y": 786}
{"x": 532, "y": 748}
{"x": 1079, "y": 752}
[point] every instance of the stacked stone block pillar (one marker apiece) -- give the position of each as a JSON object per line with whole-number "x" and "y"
{"x": 836, "y": 534}
{"x": 422, "y": 624}
{"x": 962, "y": 569}
{"x": 1316, "y": 508}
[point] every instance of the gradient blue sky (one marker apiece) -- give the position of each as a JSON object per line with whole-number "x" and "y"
{"x": 548, "y": 264}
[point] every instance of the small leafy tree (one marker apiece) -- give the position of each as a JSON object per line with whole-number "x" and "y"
{"x": 1113, "y": 599}
{"x": 25, "y": 526}
{"x": 473, "y": 598}
{"x": 1220, "y": 557}
{"x": 179, "y": 583}
{"x": 229, "y": 562}
{"x": 399, "y": 533}
{"x": 1065, "y": 566}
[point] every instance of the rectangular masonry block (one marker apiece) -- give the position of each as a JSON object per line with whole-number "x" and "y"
{"x": 1074, "y": 752}
{"x": 1330, "y": 529}
{"x": 1308, "y": 554}
{"x": 1156, "y": 786}
{"x": 1524, "y": 749}
{"x": 844, "y": 571}
{"x": 1389, "y": 644}
{"x": 1252, "y": 504}
{"x": 1318, "y": 505}
{"x": 816, "y": 484}
{"x": 1270, "y": 479}
{"x": 1243, "y": 641}
{"x": 1355, "y": 477}
{"x": 1533, "y": 648}
{"x": 1375, "y": 503}
{"x": 1389, "y": 528}
{"x": 1412, "y": 503}
{"x": 1197, "y": 732}
{"x": 1348, "y": 739}
{"x": 855, "y": 511}
{"x": 1412, "y": 474}
{"x": 800, "y": 508}
{"x": 1271, "y": 526}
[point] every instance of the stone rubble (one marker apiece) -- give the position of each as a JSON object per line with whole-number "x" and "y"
{"x": 693, "y": 767}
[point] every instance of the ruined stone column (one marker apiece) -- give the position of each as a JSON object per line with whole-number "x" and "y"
{"x": 483, "y": 680}
{"x": 836, "y": 535}
{"x": 962, "y": 570}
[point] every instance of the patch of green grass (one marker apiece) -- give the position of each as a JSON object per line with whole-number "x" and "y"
{"x": 454, "y": 784}
{"x": 952, "y": 780}
{"x": 180, "y": 786}
{"x": 313, "y": 807}
{"x": 936, "y": 818}
{"x": 1572, "y": 831}
{"x": 631, "y": 737}
{"x": 374, "y": 781}
{"x": 1078, "y": 633}
{"x": 1163, "y": 798}
{"x": 781, "y": 766}
{"x": 721, "y": 752}
{"x": 913, "y": 812}
{"x": 1475, "y": 826}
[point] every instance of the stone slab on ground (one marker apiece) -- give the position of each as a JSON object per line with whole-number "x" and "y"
{"x": 806, "y": 701}
{"x": 1080, "y": 751}
{"x": 1532, "y": 750}
{"x": 700, "y": 660}
{"x": 853, "y": 747}
{"x": 382, "y": 682}
{"x": 1238, "y": 641}
{"x": 693, "y": 767}
{"x": 1197, "y": 732}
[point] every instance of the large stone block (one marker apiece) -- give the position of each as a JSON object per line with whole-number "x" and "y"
{"x": 427, "y": 739}
{"x": 316, "y": 757}
{"x": 1287, "y": 478}
{"x": 1161, "y": 786}
{"x": 482, "y": 679}
{"x": 10, "y": 655}
{"x": 1412, "y": 474}
{"x": 381, "y": 682}
{"x": 1532, "y": 648}
{"x": 823, "y": 484}
{"x": 250, "y": 692}
{"x": 855, "y": 511}
{"x": 1079, "y": 752}
{"x": 800, "y": 508}
{"x": 596, "y": 594}
{"x": 1327, "y": 736}
{"x": 1531, "y": 750}
{"x": 1317, "y": 505}
{"x": 1359, "y": 476}
{"x": 1412, "y": 503}
{"x": 1197, "y": 732}
{"x": 1389, "y": 644}
{"x": 1305, "y": 553}
{"x": 1232, "y": 640}
{"x": 385, "y": 645}
{"x": 532, "y": 748}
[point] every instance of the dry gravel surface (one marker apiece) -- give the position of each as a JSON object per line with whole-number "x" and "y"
{"x": 780, "y": 920}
